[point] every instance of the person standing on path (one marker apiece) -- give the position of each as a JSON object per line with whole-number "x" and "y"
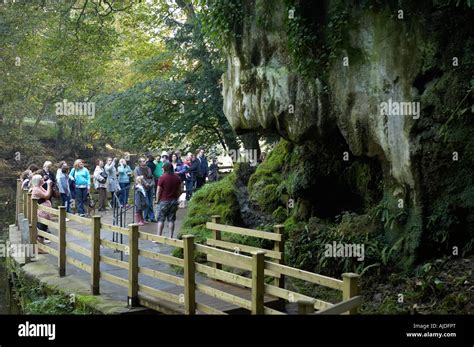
{"x": 63, "y": 185}
{"x": 100, "y": 184}
{"x": 167, "y": 195}
{"x": 140, "y": 200}
{"x": 148, "y": 184}
{"x": 112, "y": 181}
{"x": 203, "y": 169}
{"x": 81, "y": 176}
{"x": 124, "y": 172}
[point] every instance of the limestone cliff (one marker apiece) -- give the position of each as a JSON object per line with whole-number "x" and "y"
{"x": 365, "y": 60}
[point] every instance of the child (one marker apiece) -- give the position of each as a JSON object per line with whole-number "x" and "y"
{"x": 140, "y": 200}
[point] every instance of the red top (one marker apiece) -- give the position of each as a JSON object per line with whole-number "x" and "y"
{"x": 169, "y": 187}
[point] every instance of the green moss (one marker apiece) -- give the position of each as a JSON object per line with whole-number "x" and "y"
{"x": 280, "y": 214}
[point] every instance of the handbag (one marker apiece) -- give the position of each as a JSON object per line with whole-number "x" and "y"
{"x": 104, "y": 176}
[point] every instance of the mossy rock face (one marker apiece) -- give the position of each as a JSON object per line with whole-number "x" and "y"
{"x": 217, "y": 198}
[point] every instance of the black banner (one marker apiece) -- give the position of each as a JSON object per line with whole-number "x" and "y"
{"x": 223, "y": 330}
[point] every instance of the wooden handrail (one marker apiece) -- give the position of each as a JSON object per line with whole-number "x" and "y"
{"x": 343, "y": 306}
{"x": 243, "y": 231}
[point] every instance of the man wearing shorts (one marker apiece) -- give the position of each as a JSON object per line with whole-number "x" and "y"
{"x": 167, "y": 195}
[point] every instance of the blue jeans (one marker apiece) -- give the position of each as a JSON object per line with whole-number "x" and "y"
{"x": 66, "y": 200}
{"x": 148, "y": 214}
{"x": 81, "y": 195}
{"x": 125, "y": 190}
{"x": 189, "y": 188}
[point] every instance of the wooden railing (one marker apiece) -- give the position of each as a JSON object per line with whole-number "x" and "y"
{"x": 255, "y": 264}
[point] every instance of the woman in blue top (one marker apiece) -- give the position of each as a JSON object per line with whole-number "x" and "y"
{"x": 124, "y": 172}
{"x": 80, "y": 175}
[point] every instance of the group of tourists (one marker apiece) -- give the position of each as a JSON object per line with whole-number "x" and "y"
{"x": 155, "y": 180}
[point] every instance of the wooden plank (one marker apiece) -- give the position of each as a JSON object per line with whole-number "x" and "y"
{"x": 240, "y": 261}
{"x": 49, "y": 210}
{"x": 305, "y": 307}
{"x": 237, "y": 248}
{"x": 216, "y": 235}
{"x": 114, "y": 228}
{"x": 189, "y": 276}
{"x": 168, "y": 259}
{"x": 224, "y": 275}
{"x": 258, "y": 290}
{"x": 114, "y": 245}
{"x": 293, "y": 296}
{"x": 62, "y": 241}
{"x": 45, "y": 248}
{"x": 230, "y": 262}
{"x": 78, "y": 249}
{"x": 33, "y": 203}
{"x": 133, "y": 265}
{"x": 268, "y": 310}
{"x": 48, "y": 236}
{"x": 114, "y": 279}
{"x": 17, "y": 201}
{"x": 48, "y": 222}
{"x": 161, "y": 276}
{"x": 218, "y": 294}
{"x": 343, "y": 306}
{"x": 78, "y": 263}
{"x": 114, "y": 262}
{"x": 350, "y": 287}
{"x": 208, "y": 309}
{"x": 161, "y": 239}
{"x": 77, "y": 233}
{"x": 304, "y": 275}
{"x": 78, "y": 219}
{"x": 279, "y": 247}
{"x": 160, "y": 294}
{"x": 243, "y": 231}
{"x": 95, "y": 255}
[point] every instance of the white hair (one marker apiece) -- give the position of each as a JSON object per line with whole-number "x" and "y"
{"x": 47, "y": 164}
{"x": 36, "y": 180}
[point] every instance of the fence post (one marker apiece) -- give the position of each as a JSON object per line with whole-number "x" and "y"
{"x": 279, "y": 246}
{"x": 189, "y": 273}
{"x": 62, "y": 241}
{"x": 216, "y": 235}
{"x": 95, "y": 255}
{"x": 25, "y": 204}
{"x": 258, "y": 285}
{"x": 17, "y": 202}
{"x": 133, "y": 265}
{"x": 28, "y": 206}
{"x": 33, "y": 220}
{"x": 350, "y": 287}
{"x": 306, "y": 306}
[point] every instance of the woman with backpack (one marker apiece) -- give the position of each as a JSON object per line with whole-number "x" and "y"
{"x": 100, "y": 184}
{"x": 112, "y": 179}
{"x": 140, "y": 200}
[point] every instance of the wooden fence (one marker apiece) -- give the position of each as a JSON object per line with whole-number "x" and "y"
{"x": 259, "y": 263}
